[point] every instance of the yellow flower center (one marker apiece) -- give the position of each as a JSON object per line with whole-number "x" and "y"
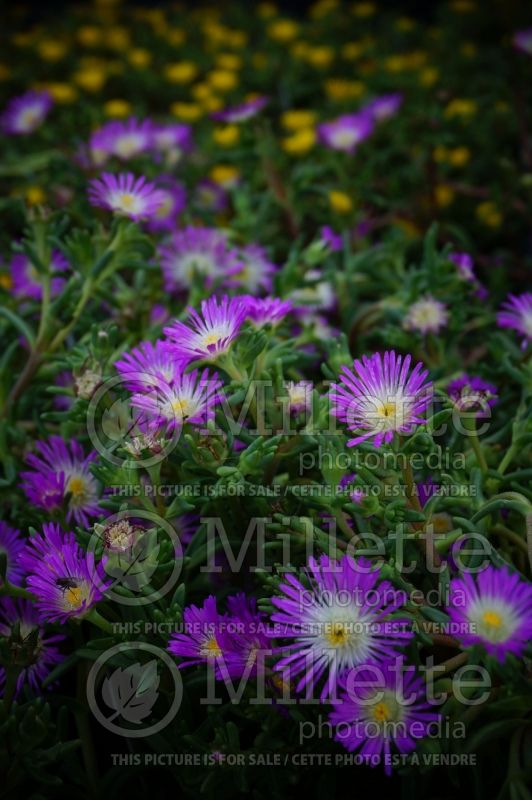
{"x": 387, "y": 409}
{"x": 211, "y": 648}
{"x": 127, "y": 200}
{"x": 337, "y": 634}
{"x": 74, "y": 597}
{"x": 76, "y": 487}
{"x": 492, "y": 618}
{"x": 381, "y": 712}
{"x": 181, "y": 408}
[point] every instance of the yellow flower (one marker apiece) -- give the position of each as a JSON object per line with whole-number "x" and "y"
{"x": 266, "y": 10}
{"x": 363, "y": 10}
{"x": 223, "y": 80}
{"x": 342, "y": 89}
{"x": 22, "y": 39}
{"x": 459, "y": 156}
{"x": 200, "y": 91}
{"x": 174, "y": 36}
{"x": 89, "y": 35}
{"x": 237, "y": 38}
{"x": 139, "y": 57}
{"x": 300, "y": 142}
{"x": 340, "y": 202}
{"x": 117, "y": 108}
{"x": 298, "y": 118}
{"x": 226, "y": 136}
{"x": 405, "y": 24}
{"x": 188, "y": 112}
{"x": 6, "y": 281}
{"x": 469, "y": 49}
{"x": 61, "y": 92}
{"x": 117, "y": 38}
{"x": 440, "y": 154}
{"x": 5, "y": 74}
{"x": 443, "y": 195}
{"x": 259, "y": 60}
{"x": 320, "y": 56}
{"x": 51, "y": 50}
{"x": 409, "y": 228}
{"x": 489, "y": 214}
{"x": 35, "y": 195}
{"x": 91, "y": 80}
{"x": 225, "y": 175}
{"x": 211, "y": 103}
{"x": 229, "y": 61}
{"x": 428, "y": 76}
{"x": 463, "y": 6}
{"x": 180, "y": 72}
{"x": 283, "y": 30}
{"x": 299, "y": 49}
{"x": 353, "y": 50}
{"x": 322, "y": 8}
{"x": 460, "y": 108}
{"x": 395, "y": 63}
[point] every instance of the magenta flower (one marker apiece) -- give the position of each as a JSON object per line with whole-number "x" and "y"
{"x": 470, "y": 393}
{"x": 267, "y": 310}
{"x": 331, "y": 239}
{"x": 62, "y": 473}
{"x": 172, "y": 140}
{"x": 495, "y": 609}
{"x": 37, "y": 651}
{"x": 346, "y": 132}
{"x": 464, "y": 263}
{"x": 11, "y": 545}
{"x": 517, "y": 314}
{"x": 209, "y": 334}
{"x": 299, "y": 395}
{"x": 380, "y": 708}
{"x": 148, "y": 364}
{"x": 188, "y": 397}
{"x": 65, "y": 579}
{"x": 202, "y": 640}
{"x": 196, "y": 252}
{"x": 125, "y": 140}
{"x": 256, "y": 270}
{"x": 173, "y": 199}
{"x": 247, "y": 635}
{"x": 381, "y": 397}
{"x": 426, "y": 315}
{"x": 242, "y": 112}
{"x": 26, "y": 113}
{"x": 383, "y": 107}
{"x": 27, "y": 281}
{"x": 125, "y": 195}
{"x": 210, "y": 196}
{"x": 522, "y": 40}
{"x": 341, "y": 619}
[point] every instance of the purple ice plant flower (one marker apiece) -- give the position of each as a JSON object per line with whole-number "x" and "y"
{"x": 242, "y": 112}
{"x": 381, "y": 707}
{"x": 471, "y": 393}
{"x": 188, "y": 397}
{"x": 516, "y": 313}
{"x": 28, "y": 282}
{"x": 426, "y": 315}
{"x": 36, "y": 651}
{"x": 346, "y": 132}
{"x": 522, "y": 40}
{"x": 247, "y": 630}
{"x": 495, "y": 610}
{"x": 173, "y": 198}
{"x": 61, "y": 472}
{"x": 125, "y": 140}
{"x": 11, "y": 545}
{"x": 267, "y": 310}
{"x": 464, "y": 264}
{"x": 26, "y": 113}
{"x": 299, "y": 395}
{"x": 210, "y": 333}
{"x": 126, "y": 195}
{"x": 210, "y": 196}
{"x": 381, "y": 397}
{"x": 256, "y": 272}
{"x": 65, "y": 579}
{"x": 384, "y": 107}
{"x": 197, "y": 252}
{"x": 172, "y": 140}
{"x": 203, "y": 639}
{"x": 148, "y": 364}
{"x": 340, "y": 619}
{"x": 331, "y": 239}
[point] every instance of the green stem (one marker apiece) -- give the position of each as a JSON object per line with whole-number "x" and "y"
{"x": 470, "y": 424}
{"x": 96, "y": 618}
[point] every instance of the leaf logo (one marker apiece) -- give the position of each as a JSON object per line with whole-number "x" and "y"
{"x": 118, "y": 421}
{"x": 131, "y": 692}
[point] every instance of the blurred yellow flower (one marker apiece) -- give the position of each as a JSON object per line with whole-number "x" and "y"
{"x": 6, "y": 281}
{"x": 117, "y": 38}
{"x": 139, "y": 57}
{"x": 237, "y": 38}
{"x": 188, "y": 112}
{"x": 443, "y": 195}
{"x": 35, "y": 195}
{"x": 428, "y": 76}
{"x": 463, "y": 6}
{"x": 229, "y": 61}
{"x": 61, "y": 92}
{"x": 89, "y": 35}
{"x": 469, "y": 49}
{"x": 283, "y": 30}
{"x": 223, "y": 80}
{"x": 322, "y": 8}
{"x": 342, "y": 89}
{"x": 340, "y": 202}
{"x": 259, "y": 60}
{"x": 460, "y": 108}
{"x": 212, "y": 103}
{"x": 91, "y": 80}
{"x": 51, "y": 50}
{"x": 320, "y": 56}
{"x": 225, "y": 175}
{"x": 405, "y": 24}
{"x": 408, "y": 227}
{"x": 363, "y": 10}
{"x": 266, "y": 10}
{"x": 226, "y": 136}
{"x": 440, "y": 154}
{"x": 5, "y": 74}
{"x": 180, "y": 72}
{"x": 353, "y": 50}
{"x": 459, "y": 156}
{"x": 117, "y": 108}
{"x": 300, "y": 142}
{"x": 174, "y": 36}
{"x": 298, "y": 118}
{"x": 489, "y": 214}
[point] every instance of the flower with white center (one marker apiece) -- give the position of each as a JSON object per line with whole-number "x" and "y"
{"x": 190, "y": 397}
{"x": 125, "y": 195}
{"x": 25, "y": 114}
{"x": 427, "y": 315}
{"x": 209, "y": 334}
{"x": 517, "y": 314}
